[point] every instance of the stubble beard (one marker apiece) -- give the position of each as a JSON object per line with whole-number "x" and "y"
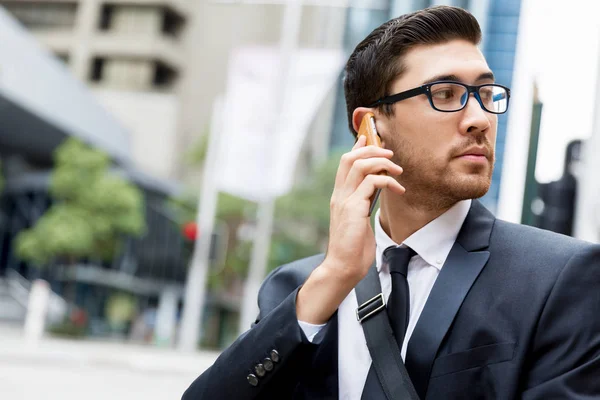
{"x": 433, "y": 184}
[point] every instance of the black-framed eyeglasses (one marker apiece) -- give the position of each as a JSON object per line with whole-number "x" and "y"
{"x": 451, "y": 96}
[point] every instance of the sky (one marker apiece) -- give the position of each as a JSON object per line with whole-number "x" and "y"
{"x": 562, "y": 43}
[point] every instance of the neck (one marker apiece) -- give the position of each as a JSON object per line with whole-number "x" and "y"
{"x": 400, "y": 217}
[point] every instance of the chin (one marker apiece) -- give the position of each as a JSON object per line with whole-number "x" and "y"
{"x": 469, "y": 187}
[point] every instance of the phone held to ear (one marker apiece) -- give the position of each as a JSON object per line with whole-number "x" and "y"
{"x": 367, "y": 128}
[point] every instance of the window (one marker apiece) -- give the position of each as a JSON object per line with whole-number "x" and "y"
{"x": 97, "y": 69}
{"x": 132, "y": 74}
{"x": 164, "y": 76}
{"x": 140, "y": 19}
{"x": 172, "y": 23}
{"x": 106, "y": 16}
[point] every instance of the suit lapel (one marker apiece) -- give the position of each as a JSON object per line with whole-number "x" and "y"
{"x": 464, "y": 263}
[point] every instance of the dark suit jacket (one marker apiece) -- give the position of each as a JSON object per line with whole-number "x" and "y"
{"x": 514, "y": 313}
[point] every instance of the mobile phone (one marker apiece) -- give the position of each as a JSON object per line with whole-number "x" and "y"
{"x": 367, "y": 128}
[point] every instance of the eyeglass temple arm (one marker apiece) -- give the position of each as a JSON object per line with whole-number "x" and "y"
{"x": 400, "y": 96}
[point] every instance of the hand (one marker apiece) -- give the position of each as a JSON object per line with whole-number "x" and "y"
{"x": 351, "y": 248}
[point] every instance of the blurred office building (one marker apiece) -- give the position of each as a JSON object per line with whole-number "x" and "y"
{"x": 159, "y": 65}
{"x": 136, "y": 79}
{"x": 131, "y": 54}
{"x": 41, "y": 105}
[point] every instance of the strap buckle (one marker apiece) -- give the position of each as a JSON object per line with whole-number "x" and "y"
{"x": 370, "y": 307}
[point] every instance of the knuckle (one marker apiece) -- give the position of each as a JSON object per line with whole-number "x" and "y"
{"x": 333, "y": 202}
{"x": 390, "y": 163}
{"x": 360, "y": 164}
{"x": 371, "y": 179}
{"x": 346, "y": 158}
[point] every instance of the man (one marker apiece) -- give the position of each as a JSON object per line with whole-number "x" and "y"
{"x": 496, "y": 310}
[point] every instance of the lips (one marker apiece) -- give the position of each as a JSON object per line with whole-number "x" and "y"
{"x": 475, "y": 152}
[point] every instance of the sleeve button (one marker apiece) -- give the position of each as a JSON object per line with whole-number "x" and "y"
{"x": 260, "y": 370}
{"x": 268, "y": 364}
{"x": 275, "y": 356}
{"x": 252, "y": 379}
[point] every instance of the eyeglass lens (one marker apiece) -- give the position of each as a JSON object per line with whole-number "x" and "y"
{"x": 453, "y": 97}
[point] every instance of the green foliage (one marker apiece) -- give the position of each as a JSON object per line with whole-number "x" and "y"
{"x": 93, "y": 209}
{"x": 120, "y": 310}
{"x": 301, "y": 224}
{"x": 308, "y": 203}
{"x": 228, "y": 207}
{"x": 231, "y": 211}
{"x": 197, "y": 153}
{"x": 301, "y": 220}
{"x": 69, "y": 330}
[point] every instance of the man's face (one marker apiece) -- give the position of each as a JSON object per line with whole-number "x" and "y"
{"x": 433, "y": 147}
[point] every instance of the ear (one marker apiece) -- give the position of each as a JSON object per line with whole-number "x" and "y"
{"x": 380, "y": 120}
{"x": 358, "y": 115}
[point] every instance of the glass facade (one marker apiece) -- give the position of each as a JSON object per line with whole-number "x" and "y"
{"x": 359, "y": 23}
{"x": 500, "y": 46}
{"x": 500, "y": 25}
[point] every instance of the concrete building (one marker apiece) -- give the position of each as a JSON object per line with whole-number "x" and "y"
{"x": 158, "y": 65}
{"x": 218, "y": 27}
{"x": 41, "y": 105}
{"x": 132, "y": 54}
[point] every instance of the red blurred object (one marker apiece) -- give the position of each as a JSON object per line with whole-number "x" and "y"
{"x": 79, "y": 317}
{"x": 190, "y": 231}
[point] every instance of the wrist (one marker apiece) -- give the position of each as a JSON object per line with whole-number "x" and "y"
{"x": 322, "y": 294}
{"x": 340, "y": 273}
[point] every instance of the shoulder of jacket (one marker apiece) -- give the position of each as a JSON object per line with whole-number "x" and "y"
{"x": 293, "y": 274}
{"x": 286, "y": 278}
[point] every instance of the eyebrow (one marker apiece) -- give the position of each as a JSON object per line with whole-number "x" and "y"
{"x": 451, "y": 77}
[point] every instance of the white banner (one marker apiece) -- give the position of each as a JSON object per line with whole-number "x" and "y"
{"x": 259, "y": 151}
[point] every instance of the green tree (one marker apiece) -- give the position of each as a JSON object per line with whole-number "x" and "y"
{"x": 308, "y": 202}
{"x": 301, "y": 222}
{"x": 93, "y": 210}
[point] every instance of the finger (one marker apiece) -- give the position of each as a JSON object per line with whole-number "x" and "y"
{"x": 372, "y": 182}
{"x": 363, "y": 167}
{"x": 349, "y": 158}
{"x": 360, "y": 142}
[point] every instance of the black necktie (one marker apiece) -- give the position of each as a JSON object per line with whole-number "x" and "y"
{"x": 398, "y": 306}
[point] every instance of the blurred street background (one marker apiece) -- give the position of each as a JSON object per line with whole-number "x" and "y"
{"x": 159, "y": 157}
{"x": 60, "y": 369}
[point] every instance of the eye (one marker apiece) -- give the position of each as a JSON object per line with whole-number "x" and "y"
{"x": 443, "y": 93}
{"x": 486, "y": 93}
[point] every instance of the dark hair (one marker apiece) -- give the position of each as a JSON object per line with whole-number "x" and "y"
{"x": 376, "y": 62}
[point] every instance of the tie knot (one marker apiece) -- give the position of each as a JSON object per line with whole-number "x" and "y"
{"x": 398, "y": 258}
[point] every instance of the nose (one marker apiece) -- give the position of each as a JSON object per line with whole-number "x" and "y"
{"x": 474, "y": 118}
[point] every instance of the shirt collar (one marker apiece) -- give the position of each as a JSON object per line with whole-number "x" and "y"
{"x": 432, "y": 242}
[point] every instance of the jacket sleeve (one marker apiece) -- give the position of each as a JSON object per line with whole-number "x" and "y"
{"x": 565, "y": 362}
{"x": 275, "y": 336}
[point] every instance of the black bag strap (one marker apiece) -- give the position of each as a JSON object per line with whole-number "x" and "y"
{"x": 383, "y": 347}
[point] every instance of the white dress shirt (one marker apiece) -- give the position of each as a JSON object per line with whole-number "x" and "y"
{"x": 432, "y": 243}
